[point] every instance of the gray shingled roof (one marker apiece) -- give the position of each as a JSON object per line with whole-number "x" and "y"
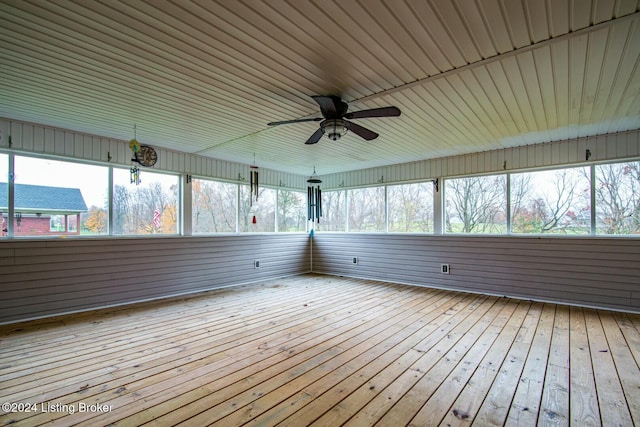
{"x": 41, "y": 198}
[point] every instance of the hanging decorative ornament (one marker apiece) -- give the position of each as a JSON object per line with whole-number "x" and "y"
{"x": 134, "y": 171}
{"x": 134, "y": 145}
{"x": 314, "y": 198}
{"x": 142, "y": 154}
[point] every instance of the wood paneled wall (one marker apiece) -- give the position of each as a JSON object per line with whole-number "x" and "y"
{"x": 595, "y": 272}
{"x": 40, "y": 139}
{"x": 47, "y": 277}
{"x": 610, "y": 147}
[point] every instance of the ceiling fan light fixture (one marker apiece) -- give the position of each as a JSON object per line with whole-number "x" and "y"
{"x": 334, "y": 128}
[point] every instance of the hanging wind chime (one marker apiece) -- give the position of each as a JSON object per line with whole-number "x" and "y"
{"x": 314, "y": 198}
{"x": 134, "y": 171}
{"x": 253, "y": 175}
{"x": 143, "y": 155}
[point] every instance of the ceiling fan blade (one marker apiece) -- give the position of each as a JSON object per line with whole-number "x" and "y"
{"x": 361, "y": 131}
{"x": 332, "y": 107}
{"x": 374, "y": 112}
{"x": 285, "y": 122}
{"x": 315, "y": 137}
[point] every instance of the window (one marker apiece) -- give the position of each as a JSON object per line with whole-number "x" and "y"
{"x": 257, "y": 215}
{"x": 292, "y": 211}
{"x": 148, "y": 208}
{"x": 60, "y": 198}
{"x": 4, "y": 195}
{"x": 57, "y": 223}
{"x": 617, "y": 197}
{"x": 410, "y": 207}
{"x": 476, "y": 204}
{"x": 72, "y": 224}
{"x": 555, "y": 201}
{"x": 214, "y": 206}
{"x": 366, "y": 209}
{"x": 333, "y": 211}
{"x": 53, "y": 197}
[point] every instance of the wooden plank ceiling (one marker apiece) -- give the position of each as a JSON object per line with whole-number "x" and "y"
{"x": 207, "y": 76}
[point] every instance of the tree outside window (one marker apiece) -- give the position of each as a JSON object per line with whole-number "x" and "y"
{"x": 617, "y": 195}
{"x": 476, "y": 204}
{"x": 410, "y": 207}
{"x": 366, "y": 209}
{"x": 292, "y": 211}
{"x": 554, "y": 201}
{"x": 148, "y": 208}
{"x": 214, "y": 206}
{"x": 263, "y": 210}
{"x": 333, "y": 211}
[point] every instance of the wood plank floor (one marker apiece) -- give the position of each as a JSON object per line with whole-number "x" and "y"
{"x": 325, "y": 351}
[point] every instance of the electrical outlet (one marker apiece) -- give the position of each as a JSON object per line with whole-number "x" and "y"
{"x": 354, "y": 260}
{"x": 256, "y": 263}
{"x": 444, "y": 268}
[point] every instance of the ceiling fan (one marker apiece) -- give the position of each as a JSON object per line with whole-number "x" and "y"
{"x": 335, "y": 119}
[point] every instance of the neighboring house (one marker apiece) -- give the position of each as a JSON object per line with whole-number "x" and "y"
{"x": 42, "y": 210}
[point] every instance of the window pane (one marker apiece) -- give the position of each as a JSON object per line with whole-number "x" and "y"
{"x": 556, "y": 201}
{"x": 214, "y": 206}
{"x": 292, "y": 211}
{"x": 333, "y": 211}
{"x": 476, "y": 204}
{"x": 263, "y": 210}
{"x": 53, "y": 197}
{"x": 366, "y": 209}
{"x": 148, "y": 208}
{"x": 4, "y": 195}
{"x": 410, "y": 207}
{"x": 618, "y": 198}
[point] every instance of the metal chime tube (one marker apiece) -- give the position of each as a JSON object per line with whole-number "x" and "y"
{"x": 253, "y": 177}
{"x": 314, "y": 203}
{"x": 317, "y": 200}
{"x": 256, "y": 185}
